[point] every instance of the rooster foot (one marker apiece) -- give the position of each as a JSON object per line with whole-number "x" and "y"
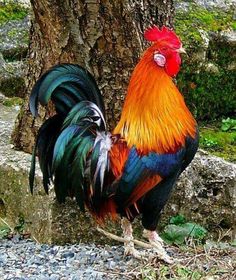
{"x": 128, "y": 243}
{"x": 157, "y": 245}
{"x": 131, "y": 251}
{"x": 129, "y": 240}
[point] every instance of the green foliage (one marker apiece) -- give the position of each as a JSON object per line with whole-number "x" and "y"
{"x": 185, "y": 273}
{"x": 12, "y": 86}
{"x": 209, "y": 143}
{"x": 188, "y": 24}
{"x": 178, "y": 231}
{"x": 164, "y": 272}
{"x": 9, "y": 102}
{"x": 209, "y": 95}
{"x": 12, "y": 11}
{"x": 177, "y": 220}
{"x": 233, "y": 243}
{"x": 19, "y": 228}
{"x": 228, "y": 124}
{"x": 4, "y": 231}
{"x": 218, "y": 142}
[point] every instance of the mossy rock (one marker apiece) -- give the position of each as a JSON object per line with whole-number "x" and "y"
{"x": 9, "y": 102}
{"x": 12, "y": 11}
{"x": 13, "y": 86}
{"x": 190, "y": 22}
{"x": 207, "y": 78}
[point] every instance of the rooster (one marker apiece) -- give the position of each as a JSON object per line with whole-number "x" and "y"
{"x": 132, "y": 170}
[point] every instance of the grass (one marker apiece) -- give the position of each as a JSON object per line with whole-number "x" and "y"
{"x": 220, "y": 139}
{"x": 193, "y": 263}
{"x": 5, "y": 229}
{"x": 7, "y": 232}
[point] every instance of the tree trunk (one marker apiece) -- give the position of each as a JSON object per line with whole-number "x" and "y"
{"x": 105, "y": 36}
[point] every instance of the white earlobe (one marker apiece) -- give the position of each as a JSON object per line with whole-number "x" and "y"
{"x": 159, "y": 59}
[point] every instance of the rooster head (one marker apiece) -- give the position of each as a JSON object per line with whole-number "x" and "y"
{"x": 166, "y": 48}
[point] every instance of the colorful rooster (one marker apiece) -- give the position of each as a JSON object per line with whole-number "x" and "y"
{"x": 132, "y": 170}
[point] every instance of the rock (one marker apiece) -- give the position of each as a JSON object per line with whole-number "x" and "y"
{"x": 232, "y": 66}
{"x": 54, "y": 277}
{"x": 229, "y": 37}
{"x": 225, "y": 5}
{"x": 213, "y": 4}
{"x": 205, "y": 193}
{"x": 12, "y": 79}
{"x": 208, "y": 192}
{"x": 14, "y": 38}
{"x": 2, "y": 97}
{"x": 211, "y": 68}
{"x": 67, "y": 254}
{"x": 13, "y": 49}
{"x": 24, "y": 3}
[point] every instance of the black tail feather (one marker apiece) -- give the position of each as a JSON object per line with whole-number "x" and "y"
{"x": 73, "y": 145}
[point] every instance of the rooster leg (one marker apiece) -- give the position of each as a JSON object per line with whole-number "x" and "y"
{"x": 157, "y": 245}
{"x": 129, "y": 242}
{"x": 129, "y": 239}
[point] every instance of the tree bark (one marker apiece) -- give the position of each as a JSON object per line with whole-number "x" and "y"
{"x": 105, "y": 36}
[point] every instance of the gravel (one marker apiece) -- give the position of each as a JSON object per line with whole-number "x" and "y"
{"x": 24, "y": 259}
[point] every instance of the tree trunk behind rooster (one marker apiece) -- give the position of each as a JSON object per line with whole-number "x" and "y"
{"x": 104, "y": 36}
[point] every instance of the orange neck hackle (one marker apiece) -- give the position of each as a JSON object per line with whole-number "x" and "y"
{"x": 154, "y": 117}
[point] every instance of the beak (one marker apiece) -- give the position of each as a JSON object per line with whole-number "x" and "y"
{"x": 182, "y": 50}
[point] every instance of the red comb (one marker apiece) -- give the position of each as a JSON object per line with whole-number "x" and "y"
{"x": 154, "y": 34}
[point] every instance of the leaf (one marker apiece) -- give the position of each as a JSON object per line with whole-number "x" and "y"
{"x": 196, "y": 231}
{"x": 233, "y": 243}
{"x": 173, "y": 234}
{"x": 4, "y": 231}
{"x": 228, "y": 124}
{"x": 177, "y": 234}
{"x": 177, "y": 220}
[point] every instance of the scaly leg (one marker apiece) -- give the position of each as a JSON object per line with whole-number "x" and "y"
{"x": 157, "y": 244}
{"x": 129, "y": 239}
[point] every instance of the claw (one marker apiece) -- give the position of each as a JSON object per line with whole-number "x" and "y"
{"x": 155, "y": 243}
{"x": 158, "y": 245}
{"x": 131, "y": 251}
{"x": 160, "y": 252}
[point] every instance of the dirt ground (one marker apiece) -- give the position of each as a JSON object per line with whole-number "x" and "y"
{"x": 190, "y": 263}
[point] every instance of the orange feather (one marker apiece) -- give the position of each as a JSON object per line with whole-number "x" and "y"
{"x": 155, "y": 117}
{"x": 118, "y": 156}
{"x": 143, "y": 188}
